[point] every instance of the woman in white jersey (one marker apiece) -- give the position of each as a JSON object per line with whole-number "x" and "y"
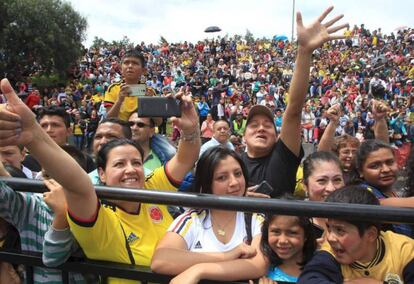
{"x": 212, "y": 244}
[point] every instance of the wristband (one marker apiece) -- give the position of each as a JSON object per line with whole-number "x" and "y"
{"x": 191, "y": 137}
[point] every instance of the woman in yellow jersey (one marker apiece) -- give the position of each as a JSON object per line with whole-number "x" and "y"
{"x": 126, "y": 231}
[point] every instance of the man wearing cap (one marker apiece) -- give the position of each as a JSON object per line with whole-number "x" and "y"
{"x": 276, "y": 159}
{"x": 156, "y": 153}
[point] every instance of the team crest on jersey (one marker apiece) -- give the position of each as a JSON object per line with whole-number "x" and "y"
{"x": 155, "y": 214}
{"x": 391, "y": 278}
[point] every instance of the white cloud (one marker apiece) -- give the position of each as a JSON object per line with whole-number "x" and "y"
{"x": 179, "y": 20}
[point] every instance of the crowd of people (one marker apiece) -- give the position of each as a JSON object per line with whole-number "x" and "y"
{"x": 247, "y": 107}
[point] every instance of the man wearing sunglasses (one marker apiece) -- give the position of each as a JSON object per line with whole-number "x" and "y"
{"x": 157, "y": 150}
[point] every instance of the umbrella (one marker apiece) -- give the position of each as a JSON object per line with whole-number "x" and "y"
{"x": 212, "y": 29}
{"x": 280, "y": 37}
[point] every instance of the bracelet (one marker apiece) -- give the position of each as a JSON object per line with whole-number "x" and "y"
{"x": 191, "y": 137}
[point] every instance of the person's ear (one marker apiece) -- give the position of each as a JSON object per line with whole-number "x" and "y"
{"x": 305, "y": 188}
{"x": 372, "y": 234}
{"x": 102, "y": 175}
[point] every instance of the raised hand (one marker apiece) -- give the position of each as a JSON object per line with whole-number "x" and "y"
{"x": 379, "y": 110}
{"x": 317, "y": 33}
{"x": 333, "y": 113}
{"x": 188, "y": 122}
{"x": 17, "y": 121}
{"x": 55, "y": 198}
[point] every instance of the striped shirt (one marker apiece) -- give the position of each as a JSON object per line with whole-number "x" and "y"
{"x": 32, "y": 217}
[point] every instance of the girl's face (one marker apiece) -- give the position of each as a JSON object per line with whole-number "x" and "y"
{"x": 286, "y": 238}
{"x": 124, "y": 168}
{"x": 380, "y": 169}
{"x": 228, "y": 178}
{"x": 325, "y": 178}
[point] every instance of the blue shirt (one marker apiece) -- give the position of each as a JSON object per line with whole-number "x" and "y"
{"x": 277, "y": 274}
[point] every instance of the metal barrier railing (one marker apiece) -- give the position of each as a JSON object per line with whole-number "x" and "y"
{"x": 246, "y": 204}
{"x": 260, "y": 205}
{"x": 102, "y": 268}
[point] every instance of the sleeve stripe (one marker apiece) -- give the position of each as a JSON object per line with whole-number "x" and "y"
{"x": 182, "y": 221}
{"x": 173, "y": 181}
{"x": 85, "y": 222}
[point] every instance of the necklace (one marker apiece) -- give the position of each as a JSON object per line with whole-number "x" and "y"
{"x": 221, "y": 228}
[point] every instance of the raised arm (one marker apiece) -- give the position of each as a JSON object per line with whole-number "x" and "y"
{"x": 189, "y": 146}
{"x": 309, "y": 38}
{"x": 328, "y": 137}
{"x": 379, "y": 110}
{"x": 18, "y": 126}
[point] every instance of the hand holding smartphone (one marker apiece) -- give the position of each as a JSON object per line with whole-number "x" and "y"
{"x": 137, "y": 90}
{"x": 264, "y": 187}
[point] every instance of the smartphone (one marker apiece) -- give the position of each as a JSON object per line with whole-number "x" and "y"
{"x": 265, "y": 188}
{"x": 138, "y": 90}
{"x": 158, "y": 107}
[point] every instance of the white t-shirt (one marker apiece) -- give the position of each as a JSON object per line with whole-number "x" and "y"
{"x": 196, "y": 229}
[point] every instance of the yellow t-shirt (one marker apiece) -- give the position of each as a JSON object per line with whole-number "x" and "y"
{"x": 394, "y": 252}
{"x": 103, "y": 239}
{"x": 129, "y": 105}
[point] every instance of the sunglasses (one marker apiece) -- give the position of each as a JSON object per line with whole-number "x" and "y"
{"x": 139, "y": 124}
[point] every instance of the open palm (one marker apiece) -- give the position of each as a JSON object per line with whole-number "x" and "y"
{"x": 317, "y": 33}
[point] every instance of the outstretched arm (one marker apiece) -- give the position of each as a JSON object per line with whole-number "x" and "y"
{"x": 189, "y": 146}
{"x": 309, "y": 38}
{"x": 18, "y": 126}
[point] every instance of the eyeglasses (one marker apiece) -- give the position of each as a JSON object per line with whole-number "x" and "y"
{"x": 138, "y": 124}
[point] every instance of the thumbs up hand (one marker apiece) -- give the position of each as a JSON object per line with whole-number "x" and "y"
{"x": 17, "y": 122}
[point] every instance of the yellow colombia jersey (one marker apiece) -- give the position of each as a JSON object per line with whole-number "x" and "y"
{"x": 104, "y": 239}
{"x": 394, "y": 252}
{"x": 129, "y": 105}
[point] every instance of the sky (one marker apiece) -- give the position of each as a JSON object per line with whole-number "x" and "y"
{"x": 181, "y": 20}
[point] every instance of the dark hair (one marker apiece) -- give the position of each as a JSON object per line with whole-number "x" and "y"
{"x": 208, "y": 163}
{"x": 222, "y": 120}
{"x": 309, "y": 246}
{"x": 126, "y": 128}
{"x": 77, "y": 155}
{"x": 366, "y": 148}
{"x": 321, "y": 156}
{"x": 135, "y": 54}
{"x": 58, "y": 111}
{"x": 355, "y": 194}
{"x": 102, "y": 156}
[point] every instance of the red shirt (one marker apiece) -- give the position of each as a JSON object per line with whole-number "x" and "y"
{"x": 32, "y": 100}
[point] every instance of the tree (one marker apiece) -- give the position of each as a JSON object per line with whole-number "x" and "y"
{"x": 248, "y": 37}
{"x": 99, "y": 42}
{"x": 39, "y": 37}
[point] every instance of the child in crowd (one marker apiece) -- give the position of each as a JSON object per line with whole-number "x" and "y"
{"x": 358, "y": 251}
{"x": 288, "y": 242}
